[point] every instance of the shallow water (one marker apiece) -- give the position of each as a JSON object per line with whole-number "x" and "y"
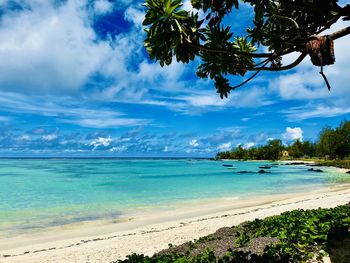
{"x": 36, "y": 194}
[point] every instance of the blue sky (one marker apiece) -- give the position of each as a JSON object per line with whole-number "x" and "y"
{"x": 76, "y": 81}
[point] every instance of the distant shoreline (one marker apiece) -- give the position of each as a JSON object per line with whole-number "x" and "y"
{"x": 342, "y": 164}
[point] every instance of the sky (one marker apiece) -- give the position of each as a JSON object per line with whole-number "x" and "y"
{"x": 75, "y": 81}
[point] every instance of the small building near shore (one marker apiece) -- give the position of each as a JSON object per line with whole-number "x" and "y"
{"x": 285, "y": 154}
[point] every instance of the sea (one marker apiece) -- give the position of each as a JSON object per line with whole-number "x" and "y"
{"x": 36, "y": 194}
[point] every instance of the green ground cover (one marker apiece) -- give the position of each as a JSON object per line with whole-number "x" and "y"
{"x": 294, "y": 236}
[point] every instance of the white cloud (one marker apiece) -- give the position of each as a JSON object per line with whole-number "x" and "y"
{"x": 100, "y": 141}
{"x": 301, "y": 85}
{"x": 4, "y": 119}
{"x": 201, "y": 98}
{"x": 204, "y": 100}
{"x": 319, "y": 111}
{"x": 102, "y": 7}
{"x": 188, "y": 7}
{"x": 194, "y": 143}
{"x": 24, "y": 137}
{"x": 107, "y": 122}
{"x": 293, "y": 134}
{"x": 3, "y": 3}
{"x": 118, "y": 149}
{"x": 250, "y": 97}
{"x": 49, "y": 137}
{"x": 68, "y": 110}
{"x": 225, "y": 146}
{"x": 134, "y": 15}
{"x": 49, "y": 48}
{"x": 209, "y": 100}
{"x": 248, "y": 145}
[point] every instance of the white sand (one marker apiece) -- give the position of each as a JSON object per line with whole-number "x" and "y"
{"x": 152, "y": 232}
{"x": 342, "y": 170}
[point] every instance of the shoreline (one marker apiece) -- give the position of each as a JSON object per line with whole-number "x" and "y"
{"x": 105, "y": 241}
{"x": 321, "y": 163}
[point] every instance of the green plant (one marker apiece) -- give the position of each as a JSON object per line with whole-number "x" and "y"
{"x": 242, "y": 239}
{"x": 302, "y": 235}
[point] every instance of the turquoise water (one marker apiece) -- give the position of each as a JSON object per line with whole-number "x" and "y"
{"x": 36, "y": 194}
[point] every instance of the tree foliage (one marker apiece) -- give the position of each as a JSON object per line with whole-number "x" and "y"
{"x": 335, "y": 143}
{"x": 301, "y": 149}
{"x": 331, "y": 144}
{"x": 281, "y": 26}
{"x": 271, "y": 151}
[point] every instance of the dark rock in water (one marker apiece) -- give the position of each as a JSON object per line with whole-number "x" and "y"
{"x": 244, "y": 172}
{"x": 314, "y": 164}
{"x": 295, "y": 163}
{"x": 348, "y": 172}
{"x": 263, "y": 172}
{"x": 275, "y": 164}
{"x": 265, "y": 167}
{"x": 227, "y": 165}
{"x": 315, "y": 170}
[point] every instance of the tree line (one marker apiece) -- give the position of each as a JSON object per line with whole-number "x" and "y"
{"x": 331, "y": 144}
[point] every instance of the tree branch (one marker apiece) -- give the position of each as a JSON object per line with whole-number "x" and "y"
{"x": 258, "y": 70}
{"x": 342, "y": 32}
{"x": 335, "y": 35}
{"x": 338, "y": 34}
{"x": 250, "y": 78}
{"x": 270, "y": 56}
{"x": 235, "y": 53}
{"x": 291, "y": 20}
{"x": 308, "y": 6}
{"x": 290, "y": 66}
{"x": 328, "y": 24}
{"x": 261, "y": 62}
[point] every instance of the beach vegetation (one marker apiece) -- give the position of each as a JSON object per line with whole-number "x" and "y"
{"x": 331, "y": 147}
{"x": 281, "y": 27}
{"x": 242, "y": 239}
{"x": 335, "y": 143}
{"x": 294, "y": 236}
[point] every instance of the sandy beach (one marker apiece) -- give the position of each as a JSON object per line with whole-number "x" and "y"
{"x": 151, "y": 232}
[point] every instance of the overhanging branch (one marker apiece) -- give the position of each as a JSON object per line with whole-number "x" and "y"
{"x": 270, "y": 56}
{"x": 335, "y": 35}
{"x": 230, "y": 52}
{"x": 289, "y": 66}
{"x": 250, "y": 78}
{"x": 289, "y": 19}
{"x": 342, "y": 32}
